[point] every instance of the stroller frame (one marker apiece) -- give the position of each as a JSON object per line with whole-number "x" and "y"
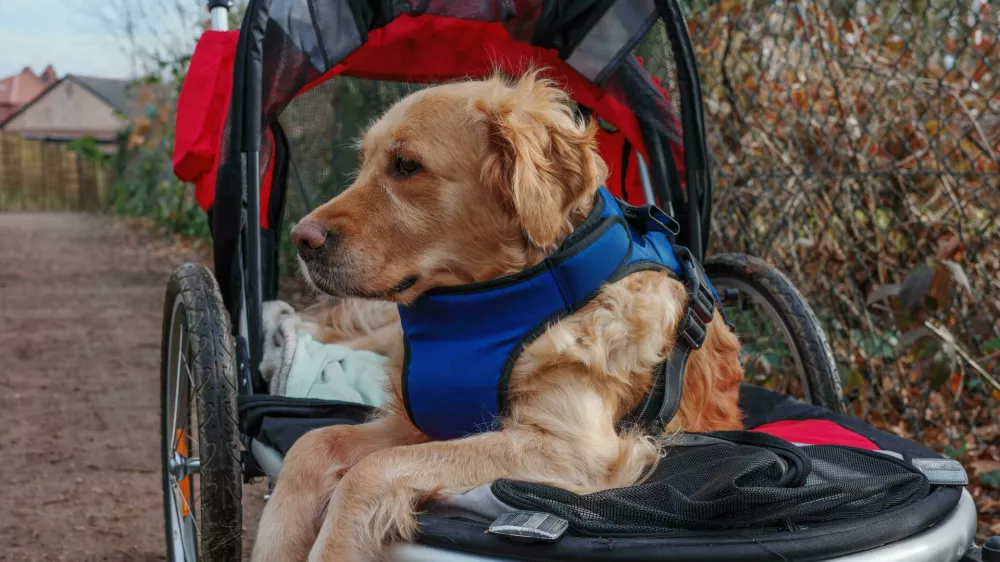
{"x": 693, "y": 212}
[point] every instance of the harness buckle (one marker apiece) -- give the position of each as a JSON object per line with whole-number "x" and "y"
{"x": 660, "y": 218}
{"x": 701, "y": 300}
{"x": 649, "y": 217}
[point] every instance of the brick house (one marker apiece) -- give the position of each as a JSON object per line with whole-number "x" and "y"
{"x": 18, "y": 90}
{"x": 75, "y": 107}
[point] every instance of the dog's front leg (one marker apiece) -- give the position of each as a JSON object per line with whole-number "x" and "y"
{"x": 310, "y": 472}
{"x": 376, "y": 500}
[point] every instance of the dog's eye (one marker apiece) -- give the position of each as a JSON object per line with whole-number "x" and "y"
{"x": 407, "y": 167}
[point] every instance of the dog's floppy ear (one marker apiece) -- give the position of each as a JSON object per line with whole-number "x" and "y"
{"x": 540, "y": 158}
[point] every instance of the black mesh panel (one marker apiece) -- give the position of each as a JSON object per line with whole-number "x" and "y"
{"x": 754, "y": 483}
{"x": 323, "y": 126}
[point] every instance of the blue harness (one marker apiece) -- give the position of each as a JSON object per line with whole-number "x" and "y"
{"x": 460, "y": 343}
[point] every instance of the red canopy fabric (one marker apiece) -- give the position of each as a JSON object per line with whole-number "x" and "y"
{"x": 817, "y": 432}
{"x": 202, "y": 107}
{"x": 424, "y": 49}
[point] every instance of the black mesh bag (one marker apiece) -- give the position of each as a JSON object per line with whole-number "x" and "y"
{"x": 733, "y": 480}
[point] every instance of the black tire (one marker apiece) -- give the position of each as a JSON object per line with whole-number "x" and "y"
{"x": 814, "y": 359}
{"x": 196, "y": 323}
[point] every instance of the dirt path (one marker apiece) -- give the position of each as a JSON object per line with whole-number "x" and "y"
{"x": 80, "y": 305}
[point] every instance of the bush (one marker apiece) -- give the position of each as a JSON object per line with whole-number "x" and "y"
{"x": 856, "y": 147}
{"x": 145, "y": 184}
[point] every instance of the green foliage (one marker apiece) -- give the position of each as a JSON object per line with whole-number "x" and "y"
{"x": 956, "y": 452}
{"x": 149, "y": 189}
{"x": 87, "y": 148}
{"x": 992, "y": 346}
{"x": 145, "y": 184}
{"x": 991, "y": 479}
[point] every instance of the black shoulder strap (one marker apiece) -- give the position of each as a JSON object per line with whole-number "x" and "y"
{"x": 664, "y": 397}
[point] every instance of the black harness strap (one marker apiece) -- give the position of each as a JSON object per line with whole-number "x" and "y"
{"x": 664, "y": 396}
{"x": 626, "y": 158}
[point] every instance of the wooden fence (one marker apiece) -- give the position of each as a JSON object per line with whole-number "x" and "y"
{"x": 45, "y": 176}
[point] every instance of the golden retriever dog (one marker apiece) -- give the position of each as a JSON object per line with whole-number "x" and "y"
{"x": 457, "y": 184}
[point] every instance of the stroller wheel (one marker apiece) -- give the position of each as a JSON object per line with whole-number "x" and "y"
{"x": 784, "y": 346}
{"x": 202, "y": 487}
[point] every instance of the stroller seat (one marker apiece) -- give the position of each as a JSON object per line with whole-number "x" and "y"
{"x": 897, "y": 515}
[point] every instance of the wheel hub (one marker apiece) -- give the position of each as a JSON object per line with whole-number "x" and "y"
{"x": 181, "y": 467}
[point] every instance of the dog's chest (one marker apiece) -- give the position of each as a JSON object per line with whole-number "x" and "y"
{"x": 461, "y": 344}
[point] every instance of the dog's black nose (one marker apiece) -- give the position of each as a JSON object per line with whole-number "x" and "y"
{"x": 309, "y": 236}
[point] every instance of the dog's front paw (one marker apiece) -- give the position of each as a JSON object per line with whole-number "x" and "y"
{"x": 343, "y": 544}
{"x": 368, "y": 509}
{"x": 335, "y": 552}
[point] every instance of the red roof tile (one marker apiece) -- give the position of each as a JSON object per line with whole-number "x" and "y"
{"x": 21, "y": 88}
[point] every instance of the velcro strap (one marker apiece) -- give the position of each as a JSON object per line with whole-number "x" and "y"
{"x": 691, "y": 335}
{"x": 942, "y": 472}
{"x": 664, "y": 397}
{"x": 673, "y": 383}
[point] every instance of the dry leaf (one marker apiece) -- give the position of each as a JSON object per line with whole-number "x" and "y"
{"x": 956, "y": 382}
{"x": 988, "y": 506}
{"x": 882, "y": 292}
{"x": 984, "y": 465}
{"x": 731, "y": 6}
{"x": 916, "y": 285}
{"x": 800, "y": 98}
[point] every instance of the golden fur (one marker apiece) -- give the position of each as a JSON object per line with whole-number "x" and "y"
{"x": 507, "y": 172}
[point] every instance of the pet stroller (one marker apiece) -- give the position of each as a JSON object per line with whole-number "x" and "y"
{"x": 221, "y": 429}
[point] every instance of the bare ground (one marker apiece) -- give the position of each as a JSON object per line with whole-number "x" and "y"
{"x": 80, "y": 305}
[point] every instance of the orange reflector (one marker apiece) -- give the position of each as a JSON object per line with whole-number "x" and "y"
{"x": 184, "y": 483}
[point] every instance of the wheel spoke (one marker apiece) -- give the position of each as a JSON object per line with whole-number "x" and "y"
{"x": 177, "y": 390}
{"x": 187, "y": 505}
{"x": 187, "y": 369}
{"x": 765, "y": 336}
{"x": 185, "y": 414}
{"x": 187, "y": 403}
{"x": 173, "y": 419}
{"x": 181, "y": 520}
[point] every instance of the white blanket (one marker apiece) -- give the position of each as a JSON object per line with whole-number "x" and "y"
{"x": 294, "y": 364}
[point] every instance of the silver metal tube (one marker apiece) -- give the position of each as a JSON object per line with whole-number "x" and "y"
{"x": 647, "y": 185}
{"x": 220, "y": 18}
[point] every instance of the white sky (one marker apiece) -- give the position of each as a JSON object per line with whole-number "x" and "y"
{"x": 40, "y": 32}
{"x": 69, "y": 35}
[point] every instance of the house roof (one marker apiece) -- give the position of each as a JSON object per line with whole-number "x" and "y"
{"x": 48, "y": 75}
{"x": 112, "y": 91}
{"x": 21, "y": 88}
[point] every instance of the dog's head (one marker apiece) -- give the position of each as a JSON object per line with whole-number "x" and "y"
{"x": 457, "y": 183}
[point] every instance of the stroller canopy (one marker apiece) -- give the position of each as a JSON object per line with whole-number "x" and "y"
{"x": 303, "y": 46}
{"x": 285, "y": 48}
